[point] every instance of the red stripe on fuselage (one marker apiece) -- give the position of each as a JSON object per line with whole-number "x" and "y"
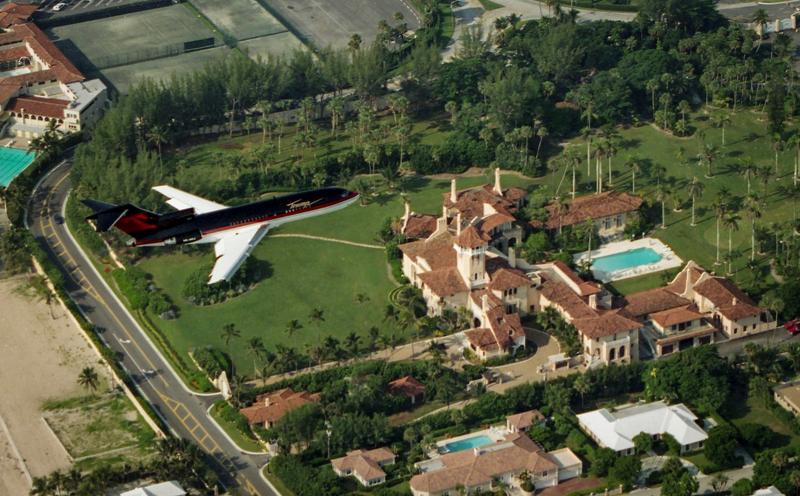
{"x": 255, "y": 221}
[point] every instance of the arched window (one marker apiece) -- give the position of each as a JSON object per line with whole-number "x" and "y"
{"x": 621, "y": 351}
{"x": 611, "y": 354}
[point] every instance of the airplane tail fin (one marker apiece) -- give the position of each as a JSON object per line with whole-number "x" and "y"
{"x": 128, "y": 218}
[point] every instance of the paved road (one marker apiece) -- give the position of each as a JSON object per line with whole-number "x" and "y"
{"x": 183, "y": 411}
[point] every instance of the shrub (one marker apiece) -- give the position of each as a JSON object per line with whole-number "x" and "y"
{"x": 759, "y": 436}
{"x": 232, "y": 416}
{"x": 197, "y": 290}
{"x": 212, "y": 361}
{"x": 720, "y": 448}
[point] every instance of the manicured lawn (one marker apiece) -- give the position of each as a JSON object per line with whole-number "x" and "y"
{"x": 490, "y": 5}
{"x": 306, "y": 274}
{"x": 753, "y": 411}
{"x": 635, "y": 284}
{"x": 700, "y": 460}
{"x": 746, "y": 137}
{"x": 242, "y": 441}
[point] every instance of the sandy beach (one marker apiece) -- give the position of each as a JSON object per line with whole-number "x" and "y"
{"x": 41, "y": 360}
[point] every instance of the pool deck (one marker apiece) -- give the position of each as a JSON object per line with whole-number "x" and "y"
{"x": 496, "y": 434}
{"x": 669, "y": 260}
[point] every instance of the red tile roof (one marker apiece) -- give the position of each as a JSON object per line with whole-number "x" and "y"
{"x": 504, "y": 279}
{"x": 586, "y": 288}
{"x": 271, "y": 407}
{"x": 588, "y": 207}
{"x": 420, "y": 226}
{"x": 14, "y": 13}
{"x": 525, "y": 419}
{"x": 721, "y": 291}
{"x": 14, "y": 53}
{"x": 34, "y": 105}
{"x": 606, "y": 324}
{"x": 437, "y": 252}
{"x": 563, "y": 296}
{"x": 675, "y": 316}
{"x": 470, "y": 201}
{"x": 444, "y": 282}
{"x": 652, "y": 301}
{"x": 365, "y": 464}
{"x": 407, "y": 386}
{"x": 471, "y": 238}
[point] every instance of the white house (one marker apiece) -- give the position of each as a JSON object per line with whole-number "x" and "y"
{"x": 169, "y": 488}
{"x": 616, "y": 429}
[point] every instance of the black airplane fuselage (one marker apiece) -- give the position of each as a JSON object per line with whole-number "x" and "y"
{"x": 186, "y": 226}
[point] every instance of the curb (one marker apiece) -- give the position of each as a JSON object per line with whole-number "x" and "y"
{"x": 222, "y": 431}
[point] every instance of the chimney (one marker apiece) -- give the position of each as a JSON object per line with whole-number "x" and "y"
{"x": 497, "y": 188}
{"x": 485, "y": 303}
{"x": 458, "y": 224}
{"x": 453, "y": 196}
{"x": 512, "y": 257}
{"x": 687, "y": 287}
{"x": 593, "y": 301}
{"x": 406, "y": 214}
{"x": 735, "y": 301}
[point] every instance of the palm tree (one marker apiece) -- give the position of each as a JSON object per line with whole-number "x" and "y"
{"x": 256, "y": 348}
{"x": 695, "y": 191}
{"x": 351, "y": 342}
{"x": 652, "y": 86}
{"x": 765, "y": 174}
{"x": 634, "y": 163}
{"x": 662, "y": 195}
{"x": 374, "y": 335}
{"x": 777, "y": 147}
{"x": 293, "y": 326}
{"x": 89, "y": 379}
{"x": 721, "y": 120}
{"x": 720, "y": 206}
{"x": 731, "y": 221}
{"x": 760, "y": 18}
{"x": 541, "y": 133}
{"x": 317, "y": 316}
{"x": 157, "y": 136}
{"x": 748, "y": 169}
{"x": 709, "y": 155}
{"x": 230, "y": 332}
{"x": 42, "y": 290}
{"x": 587, "y": 133}
{"x": 753, "y": 206}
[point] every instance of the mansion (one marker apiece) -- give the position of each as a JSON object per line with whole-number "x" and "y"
{"x": 610, "y": 212}
{"x": 466, "y": 259}
{"x": 38, "y": 84}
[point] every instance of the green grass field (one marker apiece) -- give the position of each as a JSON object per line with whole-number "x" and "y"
{"x": 746, "y": 137}
{"x": 754, "y": 412}
{"x": 306, "y": 274}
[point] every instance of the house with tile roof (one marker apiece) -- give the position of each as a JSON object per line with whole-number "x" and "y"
{"x": 481, "y": 468}
{"x": 696, "y": 308}
{"x": 521, "y": 422}
{"x": 365, "y": 466}
{"x": 610, "y": 212}
{"x": 617, "y": 429}
{"x": 38, "y": 83}
{"x": 408, "y": 387}
{"x": 269, "y": 408}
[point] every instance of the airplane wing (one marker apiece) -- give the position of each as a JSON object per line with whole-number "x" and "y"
{"x": 183, "y": 200}
{"x": 233, "y": 249}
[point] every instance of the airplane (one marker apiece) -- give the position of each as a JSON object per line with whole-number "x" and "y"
{"x": 235, "y": 231}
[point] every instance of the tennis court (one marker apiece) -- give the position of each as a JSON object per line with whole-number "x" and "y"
{"x": 333, "y": 22}
{"x": 132, "y": 37}
{"x": 125, "y": 76}
{"x": 12, "y": 163}
{"x": 242, "y": 19}
{"x": 276, "y": 45}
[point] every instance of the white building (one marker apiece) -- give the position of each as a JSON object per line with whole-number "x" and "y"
{"x": 170, "y": 488}
{"x": 616, "y": 430}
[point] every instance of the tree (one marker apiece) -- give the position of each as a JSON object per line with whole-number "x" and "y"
{"x": 742, "y": 487}
{"x": 89, "y": 379}
{"x": 355, "y": 42}
{"x": 731, "y": 221}
{"x": 753, "y": 206}
{"x": 720, "y": 447}
{"x": 229, "y": 333}
{"x": 582, "y": 386}
{"x": 643, "y": 442}
{"x": 157, "y": 136}
{"x": 695, "y": 191}
{"x": 708, "y": 157}
{"x": 721, "y": 120}
{"x": 676, "y": 479}
{"x": 720, "y": 207}
{"x": 719, "y": 482}
{"x": 292, "y": 326}
{"x": 662, "y": 195}
{"x": 625, "y": 471}
{"x": 317, "y": 316}
{"x": 748, "y": 169}
{"x": 256, "y": 348}
{"x": 634, "y": 163}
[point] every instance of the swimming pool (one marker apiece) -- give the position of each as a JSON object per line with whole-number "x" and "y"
{"x": 12, "y": 163}
{"x": 626, "y": 260}
{"x": 464, "y": 444}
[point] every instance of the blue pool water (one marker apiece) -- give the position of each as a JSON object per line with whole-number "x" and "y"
{"x": 468, "y": 443}
{"x": 626, "y": 260}
{"x": 12, "y": 163}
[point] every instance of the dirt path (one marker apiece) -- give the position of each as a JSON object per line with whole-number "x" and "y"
{"x": 42, "y": 358}
{"x": 332, "y": 240}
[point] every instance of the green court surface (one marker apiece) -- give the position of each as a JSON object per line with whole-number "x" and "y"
{"x": 276, "y": 45}
{"x": 133, "y": 37}
{"x": 242, "y": 19}
{"x": 12, "y": 163}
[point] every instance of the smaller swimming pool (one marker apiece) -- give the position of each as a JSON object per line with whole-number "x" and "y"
{"x": 464, "y": 444}
{"x": 626, "y": 260}
{"x": 12, "y": 163}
